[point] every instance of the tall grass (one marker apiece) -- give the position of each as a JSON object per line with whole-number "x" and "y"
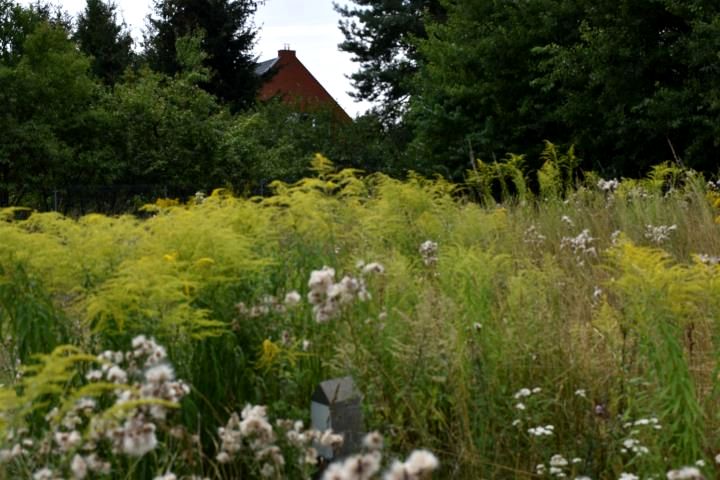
{"x": 569, "y": 295}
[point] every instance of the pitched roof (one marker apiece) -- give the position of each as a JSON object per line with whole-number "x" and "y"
{"x": 294, "y": 84}
{"x": 263, "y": 67}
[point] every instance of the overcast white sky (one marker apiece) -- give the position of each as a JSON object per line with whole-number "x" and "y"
{"x": 309, "y": 26}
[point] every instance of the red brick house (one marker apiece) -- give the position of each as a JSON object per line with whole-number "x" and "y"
{"x": 286, "y": 77}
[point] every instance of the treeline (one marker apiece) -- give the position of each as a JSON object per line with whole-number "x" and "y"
{"x": 89, "y": 122}
{"x": 630, "y": 83}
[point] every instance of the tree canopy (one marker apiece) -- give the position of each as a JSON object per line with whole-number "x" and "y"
{"x": 381, "y": 34}
{"x": 100, "y": 36}
{"x": 228, "y": 35}
{"x": 631, "y": 83}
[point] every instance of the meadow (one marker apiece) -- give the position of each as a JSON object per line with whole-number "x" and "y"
{"x": 496, "y": 330}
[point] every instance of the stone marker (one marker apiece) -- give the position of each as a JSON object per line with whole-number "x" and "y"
{"x": 336, "y": 405}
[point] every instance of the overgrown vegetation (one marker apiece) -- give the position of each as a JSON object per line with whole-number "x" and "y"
{"x": 523, "y": 335}
{"x": 530, "y": 318}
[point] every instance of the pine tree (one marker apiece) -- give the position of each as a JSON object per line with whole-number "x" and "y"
{"x": 379, "y": 34}
{"x": 228, "y": 37}
{"x": 100, "y": 36}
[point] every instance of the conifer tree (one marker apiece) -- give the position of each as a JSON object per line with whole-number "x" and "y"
{"x": 228, "y": 37}
{"x": 379, "y": 34}
{"x": 108, "y": 42}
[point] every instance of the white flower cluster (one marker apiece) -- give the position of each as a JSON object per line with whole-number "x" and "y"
{"x": 713, "y": 185}
{"x": 567, "y": 220}
{"x": 136, "y": 436}
{"x": 251, "y": 431}
{"x": 558, "y": 466}
{"x": 637, "y": 192}
{"x": 659, "y": 234}
{"x": 533, "y": 237}
{"x": 580, "y": 245}
{"x": 710, "y": 260}
{"x": 608, "y": 185}
{"x": 631, "y": 444}
{"x": 269, "y": 304}
{"x": 521, "y": 397}
{"x": 363, "y": 466}
{"x": 526, "y": 392}
{"x": 628, "y": 476}
{"x": 541, "y": 431}
{"x": 328, "y": 297}
{"x": 522, "y": 393}
{"x": 428, "y": 251}
{"x": 418, "y": 465}
{"x": 132, "y": 432}
{"x": 643, "y": 422}
{"x": 685, "y": 473}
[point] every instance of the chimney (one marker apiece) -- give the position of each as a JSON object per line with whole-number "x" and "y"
{"x": 286, "y": 52}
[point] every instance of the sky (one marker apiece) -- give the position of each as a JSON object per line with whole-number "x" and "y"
{"x": 310, "y": 27}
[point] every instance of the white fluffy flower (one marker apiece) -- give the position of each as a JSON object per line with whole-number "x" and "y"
{"x": 159, "y": 374}
{"x": 116, "y": 375}
{"x": 79, "y": 467}
{"x": 421, "y": 462}
{"x": 292, "y": 299}
{"x": 373, "y": 441}
{"x": 608, "y": 185}
{"x": 321, "y": 279}
{"x": 685, "y": 473}
{"x": 167, "y": 476}
{"x": 373, "y": 267}
{"x": 523, "y": 392}
{"x": 541, "y": 431}
{"x": 43, "y": 474}
{"x": 659, "y": 234}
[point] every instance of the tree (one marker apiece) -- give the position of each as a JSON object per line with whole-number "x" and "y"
{"x": 643, "y": 86}
{"x": 379, "y": 34}
{"x": 474, "y": 93}
{"x": 46, "y": 96}
{"x": 165, "y": 132}
{"x": 621, "y": 80}
{"x": 273, "y": 141}
{"x": 17, "y": 22}
{"x": 108, "y": 42}
{"x": 228, "y": 36}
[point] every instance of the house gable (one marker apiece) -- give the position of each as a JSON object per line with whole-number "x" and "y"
{"x": 288, "y": 79}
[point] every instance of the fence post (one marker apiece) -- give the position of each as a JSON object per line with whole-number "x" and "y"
{"x": 337, "y": 405}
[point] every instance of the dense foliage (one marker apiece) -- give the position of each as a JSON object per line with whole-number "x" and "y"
{"x": 100, "y": 36}
{"x": 630, "y": 83}
{"x": 381, "y": 36}
{"x": 532, "y": 319}
{"x": 575, "y": 331}
{"x": 227, "y": 33}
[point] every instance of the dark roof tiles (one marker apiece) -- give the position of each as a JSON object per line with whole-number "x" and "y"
{"x": 263, "y": 67}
